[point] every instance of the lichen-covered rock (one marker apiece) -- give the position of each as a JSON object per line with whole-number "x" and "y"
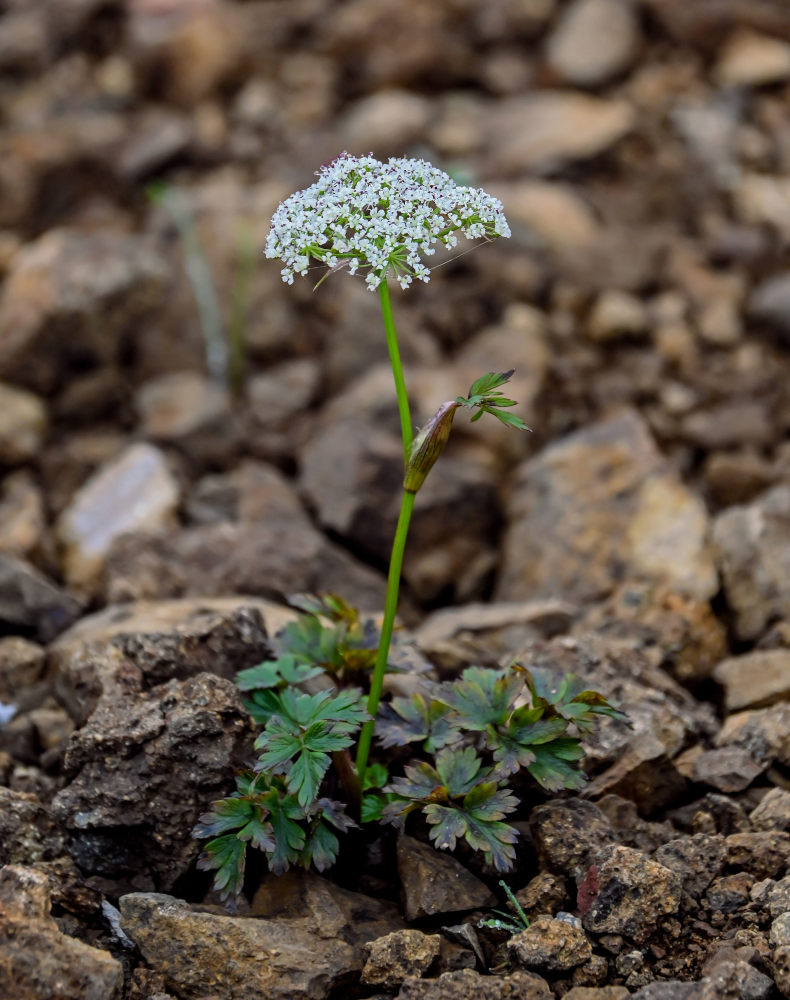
{"x": 551, "y": 945}
{"x": 632, "y": 894}
{"x": 234, "y": 958}
{"x": 433, "y": 882}
{"x": 394, "y": 957}
{"x": 142, "y": 770}
{"x": 598, "y": 507}
{"x": 27, "y": 830}
{"x": 38, "y": 962}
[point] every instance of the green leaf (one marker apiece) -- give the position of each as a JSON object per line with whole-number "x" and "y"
{"x": 226, "y": 856}
{"x": 376, "y": 776}
{"x": 555, "y": 765}
{"x": 407, "y": 720}
{"x": 306, "y": 774}
{"x": 492, "y": 380}
{"x": 320, "y": 848}
{"x": 509, "y": 419}
{"x": 458, "y": 769}
{"x": 275, "y": 673}
{"x": 289, "y": 837}
{"x": 262, "y": 705}
{"x": 482, "y": 697}
{"x": 226, "y": 814}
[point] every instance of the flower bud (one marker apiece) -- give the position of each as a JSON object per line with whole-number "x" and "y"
{"x": 428, "y": 445}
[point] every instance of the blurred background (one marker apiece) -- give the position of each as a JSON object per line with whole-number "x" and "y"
{"x": 174, "y": 420}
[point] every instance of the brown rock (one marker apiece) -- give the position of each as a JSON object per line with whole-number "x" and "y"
{"x": 38, "y": 961}
{"x": 21, "y": 666}
{"x": 749, "y": 59}
{"x": 23, "y": 426}
{"x": 764, "y": 732}
{"x": 141, "y": 771}
{"x": 31, "y": 602}
{"x": 544, "y": 894}
{"x": 397, "y": 955}
{"x": 552, "y": 945}
{"x": 765, "y": 854}
{"x": 551, "y": 213}
{"x": 386, "y": 122}
{"x": 434, "y": 882}
{"x": 773, "y": 812}
{"x": 23, "y": 523}
{"x": 28, "y": 833}
{"x": 633, "y": 895}
{"x": 73, "y": 295}
{"x": 598, "y": 506}
{"x": 240, "y": 956}
{"x": 469, "y": 985}
{"x": 730, "y": 769}
{"x": 697, "y": 859}
{"x": 598, "y": 993}
{"x": 569, "y": 834}
{"x": 101, "y": 512}
{"x": 755, "y": 680}
{"x": 594, "y": 41}
{"x": 729, "y": 893}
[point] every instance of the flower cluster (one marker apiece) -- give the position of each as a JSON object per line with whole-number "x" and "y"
{"x": 382, "y": 217}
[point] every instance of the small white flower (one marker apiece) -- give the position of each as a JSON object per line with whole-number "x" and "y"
{"x": 379, "y": 216}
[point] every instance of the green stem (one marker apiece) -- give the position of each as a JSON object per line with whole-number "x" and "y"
{"x": 390, "y": 607}
{"x": 397, "y": 369}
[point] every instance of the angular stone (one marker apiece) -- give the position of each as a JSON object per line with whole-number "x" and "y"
{"x": 594, "y": 41}
{"x": 551, "y": 945}
{"x": 599, "y": 506}
{"x": 469, "y": 985}
{"x": 549, "y": 129}
{"x": 697, "y": 859}
{"x": 633, "y": 894}
{"x": 755, "y": 680}
{"x": 729, "y": 769}
{"x": 763, "y": 732}
{"x": 749, "y": 59}
{"x": 74, "y": 296}
{"x": 31, "y": 602}
{"x": 234, "y": 957}
{"x": 38, "y": 961}
{"x": 23, "y": 425}
{"x": 435, "y": 883}
{"x": 175, "y": 406}
{"x": 28, "y": 833}
{"x": 141, "y": 771}
{"x": 569, "y": 834}
{"x": 397, "y": 955}
{"x": 765, "y": 854}
{"x": 769, "y": 303}
{"x": 773, "y": 812}
{"x": 134, "y": 492}
{"x": 21, "y": 666}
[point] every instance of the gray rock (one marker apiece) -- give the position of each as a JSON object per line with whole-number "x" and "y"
{"x": 729, "y": 893}
{"x": 697, "y": 859}
{"x": 569, "y": 834}
{"x": 755, "y": 680}
{"x": 666, "y": 991}
{"x": 781, "y": 962}
{"x": 599, "y": 506}
{"x": 394, "y": 957}
{"x": 549, "y": 129}
{"x": 38, "y": 961}
{"x": 730, "y": 769}
{"x": 598, "y": 993}
{"x": 141, "y": 771}
{"x": 551, "y": 945}
{"x": 773, "y": 812}
{"x": 23, "y": 426}
{"x": 234, "y": 957}
{"x": 435, "y": 883}
{"x": 779, "y": 934}
{"x": 386, "y": 122}
{"x": 133, "y": 492}
{"x": 469, "y": 985}
{"x": 778, "y": 902}
{"x": 75, "y": 295}
{"x": 763, "y": 732}
{"x": 765, "y": 854}
{"x": 594, "y": 41}
{"x": 736, "y": 980}
{"x": 633, "y": 894}
{"x": 30, "y": 602}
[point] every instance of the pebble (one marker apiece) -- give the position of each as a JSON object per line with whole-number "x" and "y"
{"x": 729, "y": 893}
{"x": 697, "y": 859}
{"x": 594, "y": 41}
{"x": 749, "y": 59}
{"x": 397, "y": 955}
{"x": 31, "y": 602}
{"x": 436, "y": 883}
{"x": 729, "y": 769}
{"x": 550, "y": 213}
{"x": 614, "y": 315}
{"x": 773, "y": 812}
{"x": 765, "y": 854}
{"x": 755, "y": 680}
{"x": 550, "y": 945}
{"x": 23, "y": 425}
{"x": 769, "y": 304}
{"x": 386, "y": 123}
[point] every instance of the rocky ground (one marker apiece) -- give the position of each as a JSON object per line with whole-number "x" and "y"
{"x": 152, "y": 524}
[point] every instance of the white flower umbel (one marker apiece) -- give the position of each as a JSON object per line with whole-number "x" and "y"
{"x": 363, "y": 214}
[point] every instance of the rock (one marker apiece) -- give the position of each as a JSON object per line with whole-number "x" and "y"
{"x": 753, "y": 554}
{"x": 553, "y": 945}
{"x": 598, "y": 993}
{"x": 235, "y": 957}
{"x": 73, "y": 296}
{"x": 256, "y": 538}
{"x": 278, "y": 397}
{"x": 435, "y": 883}
{"x": 24, "y": 425}
{"x": 755, "y": 680}
{"x": 594, "y": 41}
{"x": 730, "y": 769}
{"x": 568, "y": 835}
{"x": 633, "y": 894}
{"x": 28, "y": 833}
{"x": 23, "y": 523}
{"x": 734, "y": 981}
{"x": 764, "y": 200}
{"x": 666, "y": 991}
{"x": 386, "y": 122}
{"x": 781, "y": 962}
{"x": 749, "y": 59}
{"x": 616, "y": 314}
{"x": 141, "y": 771}
{"x": 773, "y": 812}
{"x": 732, "y": 424}
{"x": 547, "y": 130}
{"x": 737, "y": 477}
{"x": 779, "y": 934}
{"x": 764, "y": 733}
{"x": 21, "y": 667}
{"x": 31, "y": 603}
{"x": 38, "y": 961}
{"x": 598, "y": 506}
{"x": 769, "y": 304}
{"x": 395, "y": 956}
{"x": 551, "y": 213}
{"x": 469, "y": 985}
{"x": 765, "y": 854}
{"x": 136, "y": 646}
{"x": 544, "y": 894}
{"x": 698, "y": 860}
{"x": 100, "y": 512}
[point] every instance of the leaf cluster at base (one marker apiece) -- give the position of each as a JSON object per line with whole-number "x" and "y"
{"x": 476, "y": 734}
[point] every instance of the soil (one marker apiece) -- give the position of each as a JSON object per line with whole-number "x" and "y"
{"x": 155, "y": 517}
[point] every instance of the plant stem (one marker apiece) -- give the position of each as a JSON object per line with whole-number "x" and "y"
{"x": 397, "y": 370}
{"x": 390, "y": 607}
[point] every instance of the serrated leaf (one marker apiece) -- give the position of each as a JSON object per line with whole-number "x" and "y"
{"x": 509, "y": 419}
{"x": 493, "y": 838}
{"x": 491, "y": 380}
{"x": 458, "y": 769}
{"x": 289, "y": 837}
{"x": 320, "y": 848}
{"x": 226, "y": 814}
{"x": 306, "y": 774}
{"x": 482, "y": 697}
{"x": 407, "y": 720}
{"x": 225, "y": 856}
{"x": 376, "y": 776}
{"x": 262, "y": 705}
{"x": 554, "y": 765}
{"x": 333, "y": 812}
{"x": 258, "y": 832}
{"x": 272, "y": 673}
{"x": 420, "y": 781}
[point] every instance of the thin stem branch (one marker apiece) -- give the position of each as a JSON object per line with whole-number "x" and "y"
{"x": 397, "y": 370}
{"x": 390, "y": 607}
